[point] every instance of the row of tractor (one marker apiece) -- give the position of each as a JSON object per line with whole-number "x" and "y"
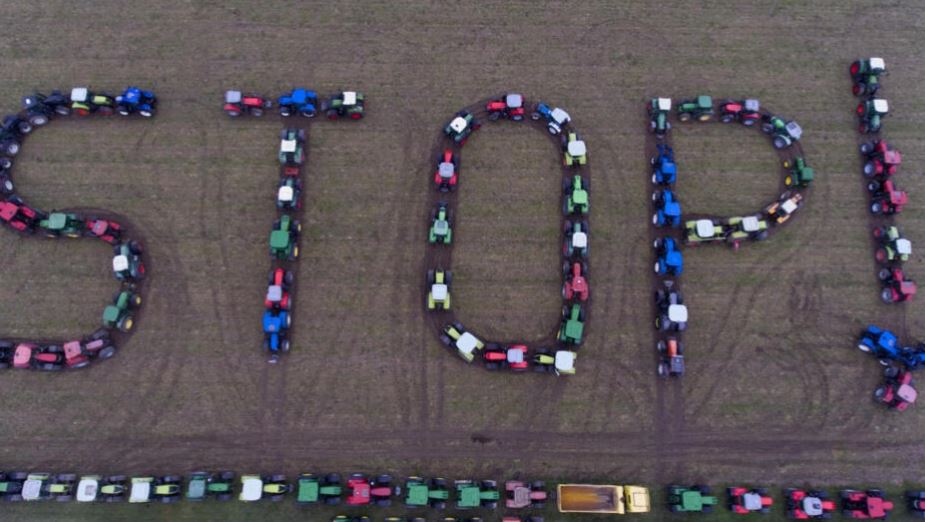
{"x": 287, "y": 228}
{"x": 515, "y": 357}
{"x": 670, "y": 230}
{"x": 128, "y": 256}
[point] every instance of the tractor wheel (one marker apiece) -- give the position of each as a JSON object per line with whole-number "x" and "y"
{"x": 748, "y": 122}
{"x": 704, "y": 117}
{"x": 233, "y": 114}
{"x": 106, "y": 352}
{"x": 887, "y": 296}
{"x": 788, "y": 181}
{"x": 82, "y": 364}
{"x": 661, "y": 347}
{"x": 858, "y": 89}
{"x": 136, "y": 300}
{"x": 493, "y": 116}
{"x": 727, "y": 118}
{"x": 288, "y": 278}
{"x": 876, "y": 208}
{"x": 445, "y": 339}
{"x": 880, "y": 255}
{"x": 332, "y": 501}
{"x": 10, "y": 148}
{"x": 448, "y": 277}
{"x": 284, "y": 346}
{"x": 662, "y": 370}
{"x": 566, "y": 269}
{"x": 64, "y": 498}
{"x": 223, "y": 497}
{"x": 430, "y": 277}
{"x": 870, "y": 168}
{"x": 684, "y": 116}
{"x": 879, "y": 393}
{"x": 866, "y": 148}
{"x": 311, "y": 114}
{"x": 257, "y": 111}
{"x": 295, "y": 252}
{"x": 566, "y": 184}
{"x": 7, "y": 186}
{"x": 146, "y": 113}
{"x": 780, "y": 143}
{"x": 883, "y": 274}
{"x": 767, "y": 128}
{"x": 873, "y": 186}
{"x": 38, "y": 120}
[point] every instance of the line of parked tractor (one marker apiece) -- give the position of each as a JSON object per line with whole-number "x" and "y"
{"x": 127, "y": 262}
{"x": 287, "y": 228}
{"x": 361, "y": 490}
{"x": 670, "y": 228}
{"x": 880, "y": 162}
{"x": 516, "y": 357}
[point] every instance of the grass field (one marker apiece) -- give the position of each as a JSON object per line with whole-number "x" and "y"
{"x": 775, "y": 391}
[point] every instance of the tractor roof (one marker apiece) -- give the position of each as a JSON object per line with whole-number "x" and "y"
{"x": 705, "y": 228}
{"x": 141, "y": 490}
{"x": 233, "y": 96}
{"x": 892, "y": 157}
{"x": 877, "y": 64}
{"x": 251, "y": 488}
{"x": 907, "y": 393}
{"x": 287, "y": 145}
{"x": 577, "y": 148}
{"x": 79, "y": 94}
{"x": 750, "y": 224}
{"x": 286, "y": 193}
{"x": 458, "y": 124}
{"x": 752, "y": 104}
{"x": 560, "y": 116}
{"x": 904, "y": 246}
{"x": 439, "y": 291}
{"x": 32, "y": 489}
{"x": 515, "y": 356}
{"x": 812, "y": 506}
{"x": 663, "y": 104}
{"x": 514, "y": 100}
{"x": 279, "y": 239}
{"x": 467, "y": 343}
{"x": 908, "y": 288}
{"x": 677, "y": 313}
{"x": 789, "y": 206}
{"x": 751, "y": 501}
{"x": 565, "y": 360}
{"x": 350, "y": 98}
{"x": 705, "y": 102}
{"x": 881, "y": 106}
{"x": 87, "y": 489}
{"x": 446, "y": 169}
{"x": 672, "y": 209}
{"x": 580, "y": 240}
{"x": 57, "y": 220}
{"x": 120, "y": 263}
{"x": 300, "y": 96}
{"x": 794, "y": 130}
{"x": 441, "y": 226}
{"x": 274, "y": 293}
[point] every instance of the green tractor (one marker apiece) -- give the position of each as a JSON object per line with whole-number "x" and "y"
{"x": 575, "y": 200}
{"x": 461, "y": 126}
{"x": 59, "y": 224}
{"x": 441, "y": 225}
{"x": 573, "y": 324}
{"x": 283, "y": 238}
{"x": 699, "y": 108}
{"x": 800, "y": 175}
{"x": 422, "y": 493}
{"x": 11, "y": 485}
{"x": 348, "y": 104}
{"x": 120, "y": 313}
{"x": 311, "y": 489}
{"x": 438, "y": 297}
{"x": 218, "y": 485}
{"x": 694, "y": 499}
{"x": 870, "y": 115}
{"x": 471, "y": 494}
{"x": 865, "y": 74}
{"x": 658, "y": 109}
{"x": 783, "y": 133}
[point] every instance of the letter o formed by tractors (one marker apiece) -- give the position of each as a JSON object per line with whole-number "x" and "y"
{"x": 557, "y": 352}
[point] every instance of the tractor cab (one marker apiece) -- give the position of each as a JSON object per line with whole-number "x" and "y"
{"x": 233, "y": 97}
{"x": 34, "y": 487}
{"x": 88, "y": 488}
{"x": 579, "y": 240}
{"x": 703, "y": 230}
{"x": 558, "y": 119}
{"x": 286, "y": 195}
{"x": 575, "y": 151}
{"x": 880, "y": 106}
{"x": 671, "y": 355}
{"x": 677, "y": 313}
{"x": 467, "y": 344}
{"x": 459, "y": 124}
{"x": 251, "y": 488}
{"x": 439, "y": 295}
{"x": 667, "y": 209}
{"x": 446, "y": 170}
{"x": 141, "y": 490}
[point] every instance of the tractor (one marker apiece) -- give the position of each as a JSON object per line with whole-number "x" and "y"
{"x": 667, "y": 209}
{"x": 575, "y": 243}
{"x": 237, "y": 104}
{"x": 880, "y": 343}
{"x": 671, "y": 312}
{"x": 11, "y": 485}
{"x": 664, "y": 169}
{"x": 426, "y": 493}
{"x": 292, "y": 147}
{"x": 289, "y": 193}
{"x": 886, "y": 199}
{"x": 575, "y": 285}
{"x": 40, "y": 107}
{"x": 466, "y": 344}
{"x": 7, "y": 354}
{"x": 78, "y": 354}
{"x": 669, "y": 260}
{"x": 743, "y": 501}
{"x": 6, "y": 183}
{"x": 461, "y": 127}
{"x": 346, "y": 104}
{"x": 254, "y": 487}
{"x": 703, "y": 231}
{"x": 95, "y": 488}
{"x": 575, "y": 200}
{"x": 748, "y": 112}
{"x": 441, "y": 225}
{"x": 18, "y": 216}
{"x": 574, "y": 150}
{"x": 865, "y": 504}
{"x": 284, "y": 238}
{"x": 84, "y": 102}
{"x": 510, "y": 106}
{"x": 135, "y": 100}
{"x": 897, "y": 391}
{"x": 916, "y": 502}
{"x": 311, "y": 489}
{"x": 278, "y": 284}
{"x": 11, "y": 135}
{"x": 556, "y": 118}
{"x": 521, "y": 494}
{"x": 363, "y": 490}
{"x": 783, "y": 133}
{"x": 865, "y": 73}
{"x": 572, "y": 325}
{"x": 276, "y": 325}
{"x": 693, "y": 499}
{"x": 438, "y": 297}
{"x": 782, "y": 209}
{"x": 881, "y": 158}
{"x": 43, "y": 486}
{"x": 658, "y": 109}
{"x": 472, "y": 494}
{"x": 14, "y": 125}
{"x": 799, "y": 174}
{"x": 120, "y": 313}
{"x": 740, "y": 228}
{"x": 870, "y": 115}
{"x": 166, "y": 489}
{"x": 298, "y": 101}
{"x": 802, "y": 504}
{"x": 126, "y": 261}
{"x": 447, "y": 175}
{"x": 39, "y": 357}
{"x": 559, "y": 362}
{"x": 670, "y": 357}
{"x": 896, "y": 287}
{"x": 699, "y": 108}
{"x": 103, "y": 229}
{"x": 59, "y": 224}
{"x": 219, "y": 486}
{"x": 513, "y": 357}
{"x": 892, "y": 246}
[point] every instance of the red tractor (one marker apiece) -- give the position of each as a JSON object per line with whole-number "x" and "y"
{"x": 364, "y": 491}
{"x": 513, "y": 357}
{"x": 521, "y": 494}
{"x": 17, "y": 215}
{"x": 509, "y": 106}
{"x": 237, "y": 104}
{"x": 78, "y": 354}
{"x": 804, "y": 505}
{"x": 886, "y": 198}
{"x": 865, "y": 504}
{"x": 108, "y": 231}
{"x": 34, "y": 356}
{"x": 743, "y": 501}
{"x": 896, "y": 288}
{"x": 278, "y": 284}
{"x": 576, "y": 281}
{"x": 882, "y": 159}
{"x": 447, "y": 175}
{"x": 670, "y": 357}
{"x": 747, "y": 111}
{"x": 897, "y": 391}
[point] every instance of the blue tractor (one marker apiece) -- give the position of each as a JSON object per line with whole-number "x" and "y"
{"x": 275, "y": 332}
{"x": 880, "y": 343}
{"x": 134, "y": 100}
{"x": 556, "y": 118}
{"x": 664, "y": 169}
{"x": 667, "y": 209}
{"x": 299, "y": 101}
{"x": 669, "y": 259}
